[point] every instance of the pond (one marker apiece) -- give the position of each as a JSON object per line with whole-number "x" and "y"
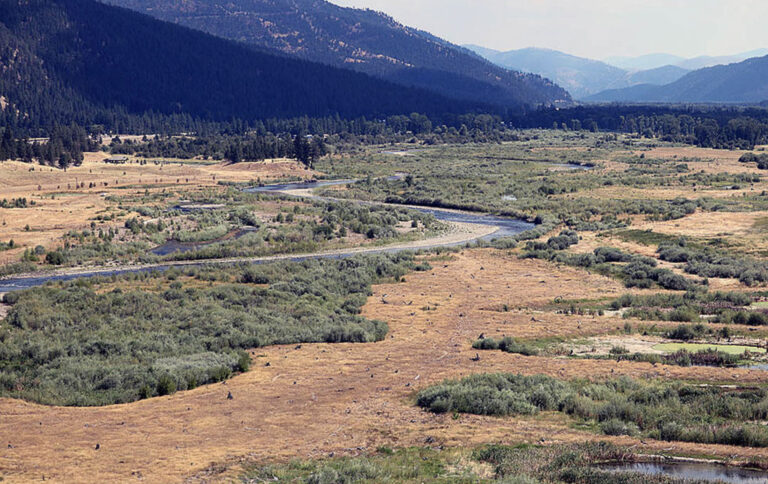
{"x": 173, "y": 246}
{"x": 691, "y": 470}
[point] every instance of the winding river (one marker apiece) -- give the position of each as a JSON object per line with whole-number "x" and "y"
{"x": 504, "y": 227}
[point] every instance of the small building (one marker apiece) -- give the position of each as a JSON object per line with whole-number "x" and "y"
{"x": 117, "y": 160}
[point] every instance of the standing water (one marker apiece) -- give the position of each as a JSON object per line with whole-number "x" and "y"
{"x": 690, "y": 470}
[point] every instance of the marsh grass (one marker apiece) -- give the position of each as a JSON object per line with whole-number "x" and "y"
{"x": 507, "y": 464}
{"x": 667, "y": 411}
{"x": 116, "y": 339}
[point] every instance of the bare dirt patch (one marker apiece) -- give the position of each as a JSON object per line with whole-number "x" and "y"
{"x": 345, "y": 398}
{"x": 601, "y": 346}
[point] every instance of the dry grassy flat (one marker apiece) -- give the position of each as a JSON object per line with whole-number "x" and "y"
{"x": 73, "y": 208}
{"x": 318, "y": 399}
{"x": 346, "y": 398}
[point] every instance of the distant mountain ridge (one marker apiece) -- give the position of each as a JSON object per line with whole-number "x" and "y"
{"x": 82, "y": 61}
{"x": 653, "y": 61}
{"x": 743, "y": 82}
{"x": 362, "y": 40}
{"x": 580, "y": 76}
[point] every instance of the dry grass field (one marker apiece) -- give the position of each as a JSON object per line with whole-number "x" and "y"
{"x": 315, "y": 400}
{"x": 347, "y": 398}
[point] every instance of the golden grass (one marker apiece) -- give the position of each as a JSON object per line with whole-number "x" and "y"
{"x": 350, "y": 398}
{"x": 346, "y": 398}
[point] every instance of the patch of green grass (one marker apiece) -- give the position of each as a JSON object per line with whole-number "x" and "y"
{"x": 645, "y": 237}
{"x": 693, "y": 347}
{"x": 404, "y": 465}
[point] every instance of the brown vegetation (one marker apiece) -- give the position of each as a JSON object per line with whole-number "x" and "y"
{"x": 346, "y": 398}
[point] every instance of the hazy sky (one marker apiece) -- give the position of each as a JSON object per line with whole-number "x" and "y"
{"x": 590, "y": 28}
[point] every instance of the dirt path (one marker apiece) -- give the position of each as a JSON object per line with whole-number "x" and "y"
{"x": 343, "y": 398}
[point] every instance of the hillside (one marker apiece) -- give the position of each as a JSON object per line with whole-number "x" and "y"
{"x": 658, "y": 76}
{"x": 362, "y": 40}
{"x": 744, "y": 82}
{"x": 580, "y": 76}
{"x": 83, "y": 61}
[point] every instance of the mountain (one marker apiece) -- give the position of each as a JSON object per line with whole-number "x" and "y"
{"x": 653, "y": 61}
{"x": 362, "y": 40}
{"x": 580, "y": 76}
{"x": 743, "y": 82}
{"x": 658, "y": 76}
{"x": 644, "y": 62}
{"x": 83, "y": 61}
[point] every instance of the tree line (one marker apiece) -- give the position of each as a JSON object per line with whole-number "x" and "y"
{"x": 304, "y": 138}
{"x": 64, "y": 147}
{"x": 705, "y": 126}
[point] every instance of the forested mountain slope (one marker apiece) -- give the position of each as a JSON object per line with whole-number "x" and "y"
{"x": 744, "y": 82}
{"x": 362, "y": 40}
{"x": 82, "y": 61}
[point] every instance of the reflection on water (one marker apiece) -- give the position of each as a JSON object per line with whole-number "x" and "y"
{"x": 756, "y": 366}
{"x": 298, "y": 186}
{"x": 691, "y": 470}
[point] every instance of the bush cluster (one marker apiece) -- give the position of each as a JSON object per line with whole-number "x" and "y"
{"x": 104, "y": 341}
{"x": 506, "y": 344}
{"x": 669, "y": 411}
{"x": 713, "y": 263}
{"x": 635, "y": 270}
{"x": 761, "y": 159}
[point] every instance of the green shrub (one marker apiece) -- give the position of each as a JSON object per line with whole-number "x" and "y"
{"x": 72, "y": 343}
{"x": 615, "y": 426}
{"x": 669, "y": 411}
{"x": 56, "y": 258}
{"x": 506, "y": 344}
{"x": 166, "y": 385}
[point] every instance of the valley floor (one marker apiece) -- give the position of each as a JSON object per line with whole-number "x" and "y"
{"x": 321, "y": 399}
{"x": 313, "y": 401}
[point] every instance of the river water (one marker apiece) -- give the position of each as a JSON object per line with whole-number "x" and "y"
{"x": 506, "y": 227}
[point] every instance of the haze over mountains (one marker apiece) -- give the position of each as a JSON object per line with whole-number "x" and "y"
{"x": 663, "y": 78}
{"x": 652, "y": 61}
{"x": 580, "y": 76}
{"x": 744, "y": 82}
{"x": 362, "y": 40}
